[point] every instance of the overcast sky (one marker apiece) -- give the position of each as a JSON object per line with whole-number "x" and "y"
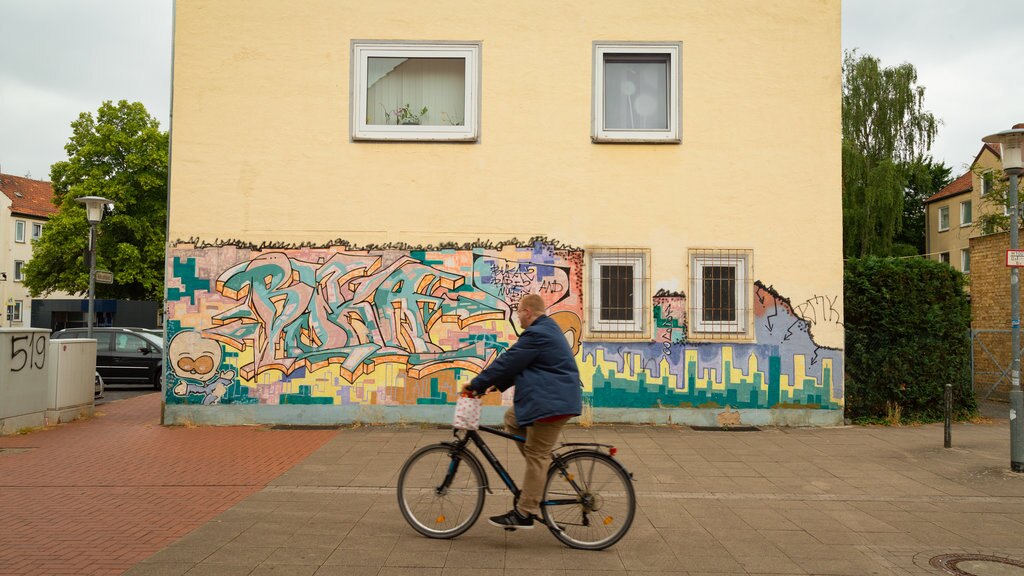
{"x": 59, "y": 58}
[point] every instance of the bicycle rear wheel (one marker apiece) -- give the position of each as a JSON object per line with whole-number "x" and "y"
{"x": 440, "y": 492}
{"x": 590, "y": 504}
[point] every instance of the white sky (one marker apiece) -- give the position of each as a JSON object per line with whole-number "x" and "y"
{"x": 59, "y": 58}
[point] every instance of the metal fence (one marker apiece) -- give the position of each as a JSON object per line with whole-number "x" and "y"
{"x": 990, "y": 364}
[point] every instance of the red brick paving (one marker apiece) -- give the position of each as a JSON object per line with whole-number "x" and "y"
{"x": 98, "y": 496}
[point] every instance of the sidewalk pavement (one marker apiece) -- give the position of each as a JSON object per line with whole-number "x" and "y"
{"x": 847, "y": 501}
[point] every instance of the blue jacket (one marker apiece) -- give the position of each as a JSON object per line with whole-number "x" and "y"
{"x": 541, "y": 367}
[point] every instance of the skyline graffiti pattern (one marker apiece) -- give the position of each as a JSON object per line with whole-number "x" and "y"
{"x": 332, "y": 325}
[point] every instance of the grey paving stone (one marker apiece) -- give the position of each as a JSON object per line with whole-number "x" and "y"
{"x": 219, "y": 570}
{"x": 183, "y": 553}
{"x": 306, "y": 556}
{"x": 239, "y": 555}
{"x": 159, "y": 569}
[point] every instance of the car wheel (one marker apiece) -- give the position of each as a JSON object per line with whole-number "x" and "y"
{"x": 158, "y": 378}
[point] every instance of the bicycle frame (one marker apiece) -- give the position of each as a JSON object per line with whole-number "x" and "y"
{"x": 556, "y": 460}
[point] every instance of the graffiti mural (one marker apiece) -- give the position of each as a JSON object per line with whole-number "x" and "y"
{"x": 400, "y": 325}
{"x": 784, "y": 369}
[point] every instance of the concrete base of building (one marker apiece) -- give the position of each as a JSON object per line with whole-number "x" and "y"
{"x": 70, "y": 413}
{"x": 318, "y": 415}
{"x": 14, "y": 424}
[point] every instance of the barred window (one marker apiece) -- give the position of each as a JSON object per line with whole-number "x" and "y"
{"x": 619, "y": 293}
{"x": 721, "y": 293}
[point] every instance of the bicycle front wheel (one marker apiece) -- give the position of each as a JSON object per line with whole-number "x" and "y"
{"x": 589, "y": 504}
{"x": 440, "y": 491}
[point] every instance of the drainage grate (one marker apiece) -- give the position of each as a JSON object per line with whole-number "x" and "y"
{"x": 726, "y": 428}
{"x": 15, "y": 450}
{"x": 975, "y": 564}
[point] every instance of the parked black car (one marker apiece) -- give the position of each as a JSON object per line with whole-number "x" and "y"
{"x": 124, "y": 355}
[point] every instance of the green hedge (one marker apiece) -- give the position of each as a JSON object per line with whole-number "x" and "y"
{"x": 907, "y": 335}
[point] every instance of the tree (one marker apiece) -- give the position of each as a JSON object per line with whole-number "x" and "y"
{"x": 996, "y": 216}
{"x": 923, "y": 177}
{"x": 121, "y": 154}
{"x": 885, "y": 128}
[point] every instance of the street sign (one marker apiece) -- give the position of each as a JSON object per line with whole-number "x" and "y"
{"x": 106, "y": 277}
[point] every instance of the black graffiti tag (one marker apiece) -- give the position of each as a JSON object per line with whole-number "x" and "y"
{"x": 28, "y": 352}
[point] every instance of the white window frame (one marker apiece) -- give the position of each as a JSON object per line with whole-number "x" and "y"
{"x": 943, "y": 210}
{"x": 963, "y": 222}
{"x": 672, "y": 135}
{"x": 638, "y": 327}
{"x": 944, "y": 258}
{"x": 37, "y": 226}
{"x": 965, "y": 260}
{"x": 19, "y": 231}
{"x": 19, "y": 270}
{"x": 16, "y": 310}
{"x": 743, "y": 297}
{"x": 364, "y": 49}
{"x": 992, "y": 175}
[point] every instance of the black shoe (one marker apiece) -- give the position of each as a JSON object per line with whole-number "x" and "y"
{"x": 512, "y": 520}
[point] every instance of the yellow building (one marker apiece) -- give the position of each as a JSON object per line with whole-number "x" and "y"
{"x": 362, "y": 192}
{"x": 25, "y": 207}
{"x": 952, "y": 215}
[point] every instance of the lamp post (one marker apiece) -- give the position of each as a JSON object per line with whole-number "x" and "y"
{"x": 1011, "y": 142}
{"x": 93, "y": 213}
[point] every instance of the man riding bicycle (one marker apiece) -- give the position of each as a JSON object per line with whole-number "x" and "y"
{"x": 548, "y": 393}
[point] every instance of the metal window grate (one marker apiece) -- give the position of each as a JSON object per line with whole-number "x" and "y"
{"x": 721, "y": 292}
{"x": 619, "y": 306}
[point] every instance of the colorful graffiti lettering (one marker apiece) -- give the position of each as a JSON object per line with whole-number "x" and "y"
{"x": 410, "y": 326}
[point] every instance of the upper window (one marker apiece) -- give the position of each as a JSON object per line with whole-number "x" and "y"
{"x": 965, "y": 213}
{"x": 19, "y": 230}
{"x": 987, "y": 181}
{"x": 943, "y": 218}
{"x": 619, "y": 291}
{"x": 19, "y": 273}
{"x": 415, "y": 91}
{"x": 37, "y": 230}
{"x": 965, "y": 260}
{"x": 14, "y": 311}
{"x": 636, "y": 92}
{"x": 720, "y": 293}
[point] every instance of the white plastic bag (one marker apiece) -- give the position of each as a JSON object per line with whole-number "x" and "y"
{"x": 467, "y": 413}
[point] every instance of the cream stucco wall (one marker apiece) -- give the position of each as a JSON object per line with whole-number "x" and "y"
{"x": 261, "y": 147}
{"x": 957, "y": 237}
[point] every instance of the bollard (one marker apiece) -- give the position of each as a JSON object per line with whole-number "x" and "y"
{"x": 948, "y": 443}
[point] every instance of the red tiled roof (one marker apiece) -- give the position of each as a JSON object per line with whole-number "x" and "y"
{"x": 958, "y": 186}
{"x": 28, "y": 197}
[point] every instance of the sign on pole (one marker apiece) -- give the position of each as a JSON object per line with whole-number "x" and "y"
{"x": 1015, "y": 258}
{"x": 107, "y": 277}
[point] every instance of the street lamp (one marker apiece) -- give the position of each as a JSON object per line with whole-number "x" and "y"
{"x": 1011, "y": 142}
{"x": 93, "y": 213}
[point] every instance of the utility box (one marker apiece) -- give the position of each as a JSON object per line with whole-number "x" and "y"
{"x": 24, "y": 370}
{"x": 72, "y": 380}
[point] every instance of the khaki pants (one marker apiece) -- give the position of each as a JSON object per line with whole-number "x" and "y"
{"x": 540, "y": 440}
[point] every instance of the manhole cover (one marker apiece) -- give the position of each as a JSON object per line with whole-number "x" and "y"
{"x": 977, "y": 565}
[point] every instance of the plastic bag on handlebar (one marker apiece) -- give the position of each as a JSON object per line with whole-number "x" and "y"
{"x": 467, "y": 413}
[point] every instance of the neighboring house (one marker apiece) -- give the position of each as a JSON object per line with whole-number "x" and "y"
{"x": 25, "y": 206}
{"x": 952, "y": 214}
{"x": 359, "y": 200}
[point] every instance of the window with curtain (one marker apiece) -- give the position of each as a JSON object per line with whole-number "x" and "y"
{"x": 636, "y": 92}
{"x": 415, "y": 91}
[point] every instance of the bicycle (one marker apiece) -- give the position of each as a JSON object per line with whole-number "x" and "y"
{"x": 588, "y": 501}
